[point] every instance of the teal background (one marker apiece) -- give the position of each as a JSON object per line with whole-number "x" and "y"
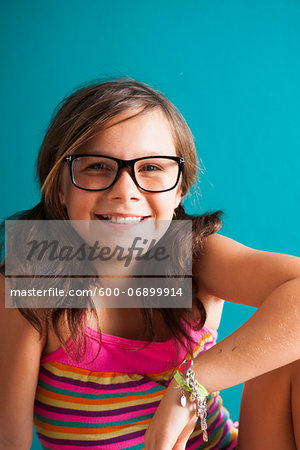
{"x": 232, "y": 68}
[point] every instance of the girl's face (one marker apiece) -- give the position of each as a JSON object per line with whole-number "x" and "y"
{"x": 148, "y": 134}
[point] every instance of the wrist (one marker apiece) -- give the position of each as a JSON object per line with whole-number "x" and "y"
{"x": 175, "y": 392}
{"x": 191, "y": 388}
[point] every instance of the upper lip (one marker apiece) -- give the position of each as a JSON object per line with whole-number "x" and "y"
{"x": 120, "y": 214}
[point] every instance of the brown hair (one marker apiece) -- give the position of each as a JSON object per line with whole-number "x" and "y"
{"x": 78, "y": 118}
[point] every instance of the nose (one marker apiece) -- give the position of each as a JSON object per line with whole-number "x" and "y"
{"x": 125, "y": 187}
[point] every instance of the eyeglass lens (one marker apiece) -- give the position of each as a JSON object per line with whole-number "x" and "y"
{"x": 97, "y": 172}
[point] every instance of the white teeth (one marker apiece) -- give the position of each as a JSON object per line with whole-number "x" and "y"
{"x": 117, "y": 219}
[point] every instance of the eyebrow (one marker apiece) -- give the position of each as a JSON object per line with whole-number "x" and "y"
{"x": 99, "y": 152}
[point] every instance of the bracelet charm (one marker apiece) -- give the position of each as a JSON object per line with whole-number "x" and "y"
{"x": 185, "y": 377}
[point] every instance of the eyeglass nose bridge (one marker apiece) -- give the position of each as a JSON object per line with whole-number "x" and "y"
{"x": 126, "y": 163}
{"x": 123, "y": 164}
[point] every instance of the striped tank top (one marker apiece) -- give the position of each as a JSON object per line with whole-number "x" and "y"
{"x": 108, "y": 403}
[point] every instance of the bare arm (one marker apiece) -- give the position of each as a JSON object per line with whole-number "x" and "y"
{"x": 20, "y": 351}
{"x": 271, "y": 337}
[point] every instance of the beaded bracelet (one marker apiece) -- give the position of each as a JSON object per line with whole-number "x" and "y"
{"x": 185, "y": 377}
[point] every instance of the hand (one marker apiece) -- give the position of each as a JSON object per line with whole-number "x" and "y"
{"x": 172, "y": 424}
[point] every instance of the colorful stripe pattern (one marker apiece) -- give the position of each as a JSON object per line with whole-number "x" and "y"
{"x": 78, "y": 408}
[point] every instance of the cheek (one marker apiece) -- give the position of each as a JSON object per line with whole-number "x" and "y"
{"x": 82, "y": 205}
{"x": 165, "y": 205}
{"x": 76, "y": 203}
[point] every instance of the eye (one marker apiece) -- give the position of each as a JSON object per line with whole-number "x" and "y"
{"x": 97, "y": 167}
{"x": 150, "y": 168}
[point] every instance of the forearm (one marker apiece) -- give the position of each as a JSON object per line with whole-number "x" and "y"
{"x": 268, "y": 340}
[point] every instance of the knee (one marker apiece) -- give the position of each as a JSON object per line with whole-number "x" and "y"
{"x": 295, "y": 371}
{"x": 270, "y": 399}
{"x": 285, "y": 375}
{"x": 273, "y": 390}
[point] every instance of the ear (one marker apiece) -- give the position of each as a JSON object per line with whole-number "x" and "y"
{"x": 179, "y": 198}
{"x": 61, "y": 197}
{"x": 62, "y": 188}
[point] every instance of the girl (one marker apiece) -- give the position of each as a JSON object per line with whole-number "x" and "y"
{"x": 102, "y": 378}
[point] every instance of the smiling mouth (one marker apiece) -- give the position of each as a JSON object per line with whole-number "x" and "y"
{"x": 122, "y": 220}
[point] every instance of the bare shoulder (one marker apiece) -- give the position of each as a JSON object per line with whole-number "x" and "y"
{"x": 20, "y": 352}
{"x": 13, "y": 321}
{"x": 235, "y": 272}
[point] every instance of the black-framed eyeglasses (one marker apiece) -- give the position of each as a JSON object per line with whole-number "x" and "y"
{"x": 98, "y": 172}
